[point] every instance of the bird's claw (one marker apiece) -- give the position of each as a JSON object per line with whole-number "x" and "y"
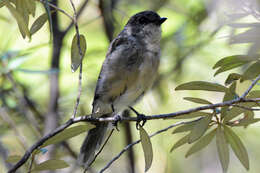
{"x": 141, "y": 120}
{"x": 117, "y": 119}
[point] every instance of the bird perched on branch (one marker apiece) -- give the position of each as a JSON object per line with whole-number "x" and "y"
{"x": 128, "y": 71}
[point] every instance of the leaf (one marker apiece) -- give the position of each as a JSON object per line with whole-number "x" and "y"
{"x": 246, "y": 122}
{"x": 197, "y": 100}
{"x": 2, "y": 3}
{"x": 191, "y": 115}
{"x": 199, "y": 128}
{"x": 202, "y": 143}
{"x": 233, "y": 112}
{"x": 237, "y": 146}
{"x": 147, "y": 148}
{"x": 223, "y": 151}
{"x": 252, "y": 71}
{"x": 13, "y": 158}
{"x": 201, "y": 85}
{"x": 38, "y": 23}
{"x": 232, "y": 62}
{"x": 180, "y": 142}
{"x": 51, "y": 164}
{"x": 31, "y": 6}
{"x": 232, "y": 77}
{"x": 67, "y": 134}
{"x": 249, "y": 36}
{"x": 244, "y": 25}
{"x": 20, "y": 20}
{"x": 184, "y": 128}
{"x": 229, "y": 95}
{"x": 254, "y": 94}
{"x": 76, "y": 58}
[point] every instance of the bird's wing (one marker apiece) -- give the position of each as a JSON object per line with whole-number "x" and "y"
{"x": 119, "y": 71}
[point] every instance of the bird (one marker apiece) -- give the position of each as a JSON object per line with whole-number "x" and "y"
{"x": 128, "y": 72}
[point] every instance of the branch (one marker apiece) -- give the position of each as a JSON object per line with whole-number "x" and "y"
{"x": 88, "y": 118}
{"x": 136, "y": 142}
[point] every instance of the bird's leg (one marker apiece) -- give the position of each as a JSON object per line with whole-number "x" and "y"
{"x": 117, "y": 118}
{"x": 140, "y": 118}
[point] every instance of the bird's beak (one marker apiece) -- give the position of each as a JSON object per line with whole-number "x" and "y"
{"x": 162, "y": 19}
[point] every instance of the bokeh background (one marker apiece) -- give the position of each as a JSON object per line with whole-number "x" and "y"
{"x": 196, "y": 35}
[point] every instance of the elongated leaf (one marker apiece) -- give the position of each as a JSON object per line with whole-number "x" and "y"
{"x": 232, "y": 77}
{"x": 67, "y": 134}
{"x": 223, "y": 151}
{"x": 233, "y": 112}
{"x": 191, "y": 115}
{"x": 52, "y": 164}
{"x": 20, "y": 20}
{"x": 13, "y": 158}
{"x": 246, "y": 122}
{"x": 229, "y": 95}
{"x": 202, "y": 143}
{"x": 232, "y": 62}
{"x": 252, "y": 71}
{"x": 254, "y": 94}
{"x": 76, "y": 58}
{"x": 202, "y": 85}
{"x": 147, "y": 148}
{"x": 197, "y": 100}
{"x": 200, "y": 128}
{"x": 249, "y": 36}
{"x": 31, "y": 6}
{"x": 182, "y": 141}
{"x": 184, "y": 128}
{"x": 237, "y": 146}
{"x": 243, "y": 25}
{"x": 38, "y": 23}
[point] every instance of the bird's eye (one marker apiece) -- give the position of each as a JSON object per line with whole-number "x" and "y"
{"x": 143, "y": 20}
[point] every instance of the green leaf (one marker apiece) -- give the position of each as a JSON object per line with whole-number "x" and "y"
{"x": 229, "y": 95}
{"x": 20, "y": 21}
{"x": 76, "y": 58}
{"x": 252, "y": 71}
{"x": 184, "y": 128}
{"x": 248, "y": 36}
{"x": 38, "y": 23}
{"x": 31, "y": 6}
{"x": 197, "y": 100}
{"x": 191, "y": 115}
{"x": 199, "y": 128}
{"x": 232, "y": 77}
{"x": 201, "y": 85}
{"x": 237, "y": 146}
{"x": 147, "y": 148}
{"x": 13, "y": 158}
{"x": 202, "y": 143}
{"x": 180, "y": 142}
{"x": 254, "y": 94}
{"x": 51, "y": 164}
{"x": 67, "y": 134}
{"x": 232, "y": 62}
{"x": 233, "y": 112}
{"x": 246, "y": 122}
{"x": 223, "y": 151}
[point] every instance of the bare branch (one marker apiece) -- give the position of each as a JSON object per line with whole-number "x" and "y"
{"x": 251, "y": 87}
{"x": 136, "y": 142}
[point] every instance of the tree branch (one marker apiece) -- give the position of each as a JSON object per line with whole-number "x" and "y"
{"x": 88, "y": 118}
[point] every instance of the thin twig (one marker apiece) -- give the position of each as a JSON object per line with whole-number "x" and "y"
{"x": 57, "y": 8}
{"x": 136, "y": 142}
{"x": 88, "y": 118}
{"x": 81, "y": 55}
{"x": 100, "y": 150}
{"x": 31, "y": 164}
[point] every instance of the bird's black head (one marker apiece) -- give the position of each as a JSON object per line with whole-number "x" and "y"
{"x": 145, "y": 18}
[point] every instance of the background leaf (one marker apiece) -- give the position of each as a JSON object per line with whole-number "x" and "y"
{"x": 201, "y": 85}
{"x": 202, "y": 143}
{"x": 237, "y": 146}
{"x": 223, "y": 151}
{"x": 52, "y": 164}
{"x": 76, "y": 58}
{"x": 147, "y": 148}
{"x": 13, "y": 158}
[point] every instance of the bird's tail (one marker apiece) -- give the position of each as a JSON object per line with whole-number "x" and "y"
{"x": 91, "y": 144}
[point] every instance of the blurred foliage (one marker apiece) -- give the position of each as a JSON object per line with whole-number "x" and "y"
{"x": 196, "y": 35}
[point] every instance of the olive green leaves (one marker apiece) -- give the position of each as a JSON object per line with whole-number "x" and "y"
{"x": 78, "y": 49}
{"x": 147, "y": 148}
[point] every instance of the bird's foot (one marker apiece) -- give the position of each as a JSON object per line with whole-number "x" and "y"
{"x": 141, "y": 118}
{"x": 117, "y": 119}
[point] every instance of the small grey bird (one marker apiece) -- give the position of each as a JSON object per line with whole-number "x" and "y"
{"x": 128, "y": 71}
